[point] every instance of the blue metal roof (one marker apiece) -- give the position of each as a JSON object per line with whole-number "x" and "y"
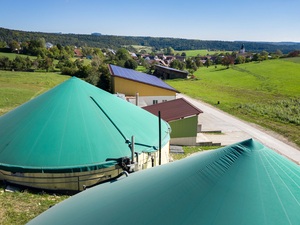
{"x": 139, "y": 77}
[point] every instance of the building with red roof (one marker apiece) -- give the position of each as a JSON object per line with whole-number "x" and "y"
{"x": 182, "y": 117}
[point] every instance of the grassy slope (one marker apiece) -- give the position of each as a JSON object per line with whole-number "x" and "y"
{"x": 19, "y": 87}
{"x": 265, "y": 93}
{"x": 203, "y": 52}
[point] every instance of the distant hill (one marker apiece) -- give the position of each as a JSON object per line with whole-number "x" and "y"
{"x": 285, "y": 43}
{"x": 114, "y": 42}
{"x": 96, "y": 34}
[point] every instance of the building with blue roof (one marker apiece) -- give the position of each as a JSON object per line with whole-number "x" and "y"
{"x": 165, "y": 73}
{"x": 149, "y": 89}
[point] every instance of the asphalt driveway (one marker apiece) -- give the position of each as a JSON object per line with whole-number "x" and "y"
{"x": 235, "y": 130}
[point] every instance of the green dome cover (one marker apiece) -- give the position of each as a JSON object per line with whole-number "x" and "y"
{"x": 75, "y": 127}
{"x": 245, "y": 183}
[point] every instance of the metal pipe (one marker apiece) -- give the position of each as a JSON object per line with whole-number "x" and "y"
{"x": 132, "y": 149}
{"x": 126, "y": 140}
{"x": 137, "y": 157}
{"x": 159, "y": 139}
{"x": 124, "y": 173}
{"x": 137, "y": 99}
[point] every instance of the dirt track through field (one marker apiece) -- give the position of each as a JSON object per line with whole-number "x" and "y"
{"x": 235, "y": 130}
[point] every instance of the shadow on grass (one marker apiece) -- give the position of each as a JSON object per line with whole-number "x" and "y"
{"x": 19, "y": 188}
{"x": 218, "y": 70}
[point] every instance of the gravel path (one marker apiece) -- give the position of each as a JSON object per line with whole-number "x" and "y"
{"x": 235, "y": 130}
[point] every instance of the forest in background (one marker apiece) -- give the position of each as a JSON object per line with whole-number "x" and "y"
{"x": 114, "y": 42}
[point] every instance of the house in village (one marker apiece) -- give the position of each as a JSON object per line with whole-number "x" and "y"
{"x": 182, "y": 117}
{"x": 180, "y": 58}
{"x": 142, "y": 88}
{"x": 133, "y": 55}
{"x": 48, "y": 45}
{"x": 77, "y": 135}
{"x": 164, "y": 73}
{"x": 244, "y": 183}
{"x": 78, "y": 53}
{"x": 159, "y": 59}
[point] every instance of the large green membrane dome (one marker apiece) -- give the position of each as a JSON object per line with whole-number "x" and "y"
{"x": 244, "y": 183}
{"x": 75, "y": 127}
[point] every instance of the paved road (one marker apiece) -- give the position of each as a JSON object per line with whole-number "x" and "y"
{"x": 235, "y": 130}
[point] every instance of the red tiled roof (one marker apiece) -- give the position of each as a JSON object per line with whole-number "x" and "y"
{"x": 78, "y": 52}
{"x": 174, "y": 109}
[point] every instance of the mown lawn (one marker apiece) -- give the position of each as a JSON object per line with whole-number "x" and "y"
{"x": 17, "y": 88}
{"x": 189, "y": 150}
{"x": 265, "y": 93}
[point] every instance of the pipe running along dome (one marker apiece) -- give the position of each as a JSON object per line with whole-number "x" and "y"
{"x": 75, "y": 127}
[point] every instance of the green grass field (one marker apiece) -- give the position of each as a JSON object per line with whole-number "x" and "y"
{"x": 295, "y": 59}
{"x": 265, "y": 93}
{"x": 203, "y": 52}
{"x": 19, "y": 87}
{"x": 20, "y": 207}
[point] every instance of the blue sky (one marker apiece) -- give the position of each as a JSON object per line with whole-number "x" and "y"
{"x": 228, "y": 20}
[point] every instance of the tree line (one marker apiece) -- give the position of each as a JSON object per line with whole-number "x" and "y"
{"x": 116, "y": 42}
{"x": 36, "y": 56}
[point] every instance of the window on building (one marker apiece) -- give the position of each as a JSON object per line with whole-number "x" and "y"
{"x": 155, "y": 102}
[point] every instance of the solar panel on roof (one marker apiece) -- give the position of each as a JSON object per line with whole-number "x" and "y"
{"x": 139, "y": 77}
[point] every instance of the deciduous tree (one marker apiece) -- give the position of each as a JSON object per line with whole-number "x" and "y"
{"x": 14, "y": 46}
{"x": 130, "y": 64}
{"x": 228, "y": 60}
{"x": 122, "y": 54}
{"x": 104, "y": 82}
{"x": 240, "y": 59}
{"x": 19, "y": 63}
{"x": 2, "y": 44}
{"x": 208, "y": 62}
{"x": 5, "y": 63}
